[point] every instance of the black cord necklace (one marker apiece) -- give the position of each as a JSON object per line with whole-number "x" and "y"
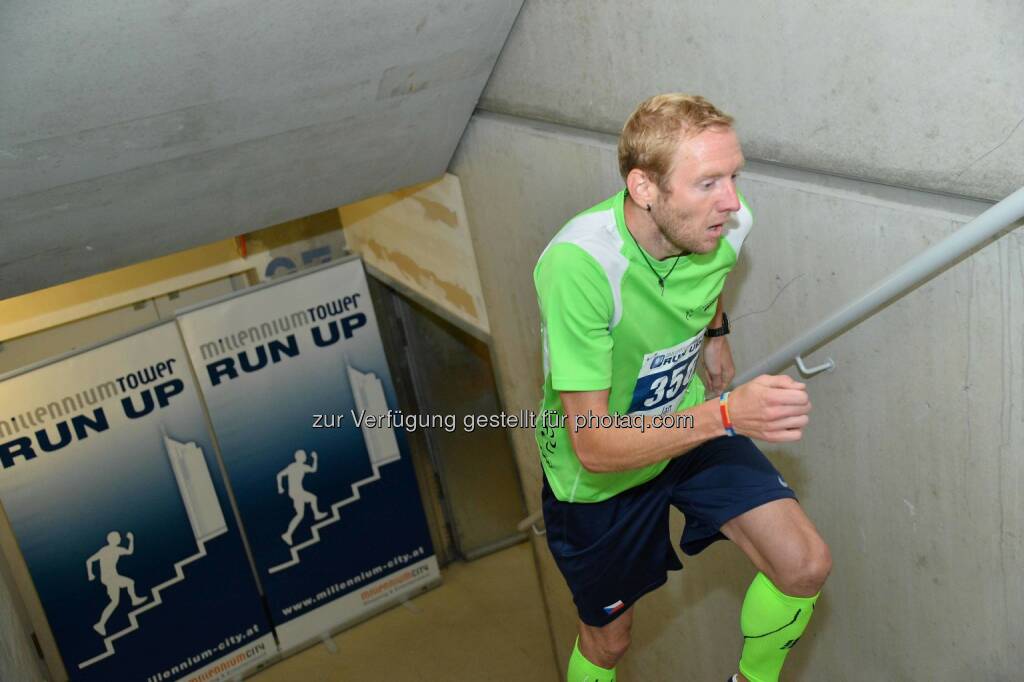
{"x": 661, "y": 280}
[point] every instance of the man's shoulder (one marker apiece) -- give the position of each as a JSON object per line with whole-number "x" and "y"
{"x": 594, "y": 232}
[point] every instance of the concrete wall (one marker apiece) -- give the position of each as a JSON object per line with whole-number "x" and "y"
{"x": 913, "y": 93}
{"x": 911, "y": 465}
{"x": 132, "y": 130}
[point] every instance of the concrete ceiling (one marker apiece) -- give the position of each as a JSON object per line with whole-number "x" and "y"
{"x": 131, "y": 130}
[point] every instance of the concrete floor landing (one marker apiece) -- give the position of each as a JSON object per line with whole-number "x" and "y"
{"x": 485, "y": 622}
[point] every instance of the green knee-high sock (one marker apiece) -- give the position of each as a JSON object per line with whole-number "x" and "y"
{"x": 582, "y": 670}
{"x": 771, "y": 622}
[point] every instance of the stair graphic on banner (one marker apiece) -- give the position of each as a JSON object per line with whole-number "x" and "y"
{"x": 204, "y": 514}
{"x": 381, "y": 444}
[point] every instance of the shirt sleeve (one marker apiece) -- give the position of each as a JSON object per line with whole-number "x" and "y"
{"x": 738, "y": 226}
{"x": 576, "y": 310}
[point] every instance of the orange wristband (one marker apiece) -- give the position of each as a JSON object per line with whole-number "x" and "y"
{"x": 723, "y": 406}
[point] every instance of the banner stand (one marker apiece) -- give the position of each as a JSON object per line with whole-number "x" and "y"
{"x": 118, "y": 449}
{"x": 328, "y": 641}
{"x": 232, "y": 502}
{"x": 297, "y": 387}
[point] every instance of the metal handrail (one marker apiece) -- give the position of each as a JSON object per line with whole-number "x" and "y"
{"x": 917, "y": 270}
{"x": 531, "y": 522}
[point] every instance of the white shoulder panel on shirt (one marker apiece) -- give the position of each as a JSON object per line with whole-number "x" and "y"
{"x": 738, "y": 227}
{"x": 597, "y": 234}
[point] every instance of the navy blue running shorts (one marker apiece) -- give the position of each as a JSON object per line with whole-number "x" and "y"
{"x": 611, "y": 553}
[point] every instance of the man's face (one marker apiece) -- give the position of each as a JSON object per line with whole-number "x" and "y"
{"x": 700, "y": 191}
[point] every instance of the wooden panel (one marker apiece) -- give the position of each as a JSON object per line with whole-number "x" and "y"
{"x": 419, "y": 236}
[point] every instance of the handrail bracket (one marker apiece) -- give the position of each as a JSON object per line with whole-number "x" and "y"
{"x": 826, "y": 366}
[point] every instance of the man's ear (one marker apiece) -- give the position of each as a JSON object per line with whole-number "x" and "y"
{"x": 642, "y": 189}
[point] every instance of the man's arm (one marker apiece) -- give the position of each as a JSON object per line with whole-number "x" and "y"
{"x": 131, "y": 542}
{"x": 88, "y": 565}
{"x": 313, "y": 457}
{"x": 769, "y": 408}
{"x": 280, "y": 475}
{"x": 718, "y": 357}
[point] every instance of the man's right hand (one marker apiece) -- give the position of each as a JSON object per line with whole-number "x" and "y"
{"x": 770, "y": 408}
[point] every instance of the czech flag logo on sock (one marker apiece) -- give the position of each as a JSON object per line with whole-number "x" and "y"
{"x": 614, "y": 608}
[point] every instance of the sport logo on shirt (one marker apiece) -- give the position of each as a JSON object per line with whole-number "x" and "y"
{"x": 664, "y": 376}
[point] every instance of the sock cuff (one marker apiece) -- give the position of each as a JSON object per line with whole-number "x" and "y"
{"x": 579, "y": 660}
{"x": 798, "y": 602}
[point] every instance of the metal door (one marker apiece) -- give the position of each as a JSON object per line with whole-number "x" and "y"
{"x": 451, "y": 379}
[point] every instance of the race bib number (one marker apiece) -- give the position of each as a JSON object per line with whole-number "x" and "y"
{"x": 664, "y": 377}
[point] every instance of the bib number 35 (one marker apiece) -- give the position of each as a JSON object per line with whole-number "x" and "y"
{"x": 666, "y": 388}
{"x": 664, "y": 377}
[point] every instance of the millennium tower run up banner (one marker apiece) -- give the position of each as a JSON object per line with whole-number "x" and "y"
{"x": 110, "y": 482}
{"x": 298, "y": 390}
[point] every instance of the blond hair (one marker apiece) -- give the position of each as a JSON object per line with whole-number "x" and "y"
{"x": 651, "y": 134}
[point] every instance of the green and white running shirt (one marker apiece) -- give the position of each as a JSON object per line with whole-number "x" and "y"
{"x": 606, "y": 324}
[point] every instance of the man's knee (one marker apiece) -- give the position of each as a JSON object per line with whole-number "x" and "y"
{"x": 805, "y": 571}
{"x": 617, "y": 645}
{"x": 605, "y": 646}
